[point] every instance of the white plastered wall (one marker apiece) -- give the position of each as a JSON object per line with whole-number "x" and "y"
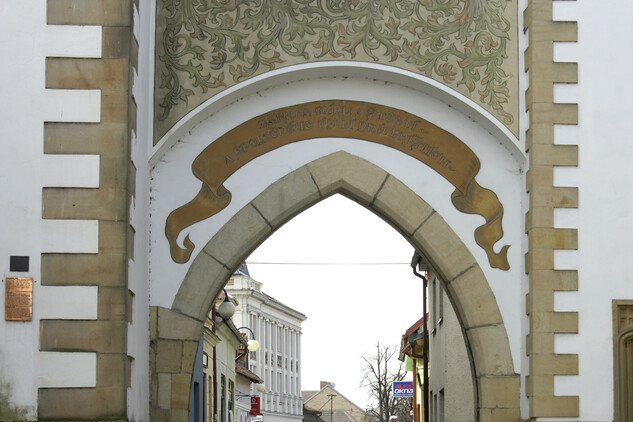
{"x": 138, "y": 283}
{"x": 25, "y": 42}
{"x": 604, "y": 174}
{"x": 502, "y": 170}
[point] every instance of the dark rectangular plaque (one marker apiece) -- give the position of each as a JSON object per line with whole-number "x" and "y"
{"x": 19, "y": 264}
{"x": 18, "y": 303}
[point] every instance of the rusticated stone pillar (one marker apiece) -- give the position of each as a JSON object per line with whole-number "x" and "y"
{"x": 543, "y": 237}
{"x": 109, "y": 139}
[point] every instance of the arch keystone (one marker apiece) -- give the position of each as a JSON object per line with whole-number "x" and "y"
{"x": 348, "y": 174}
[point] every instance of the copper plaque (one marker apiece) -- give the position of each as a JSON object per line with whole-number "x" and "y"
{"x": 18, "y": 305}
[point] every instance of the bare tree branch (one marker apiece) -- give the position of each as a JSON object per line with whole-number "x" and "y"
{"x": 378, "y": 377}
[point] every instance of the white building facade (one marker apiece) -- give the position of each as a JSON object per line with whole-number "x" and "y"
{"x": 277, "y": 327}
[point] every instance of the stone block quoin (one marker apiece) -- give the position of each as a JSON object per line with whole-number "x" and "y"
{"x": 108, "y": 204}
{"x": 544, "y": 197}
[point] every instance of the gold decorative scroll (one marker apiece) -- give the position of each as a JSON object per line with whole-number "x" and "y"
{"x": 391, "y": 127}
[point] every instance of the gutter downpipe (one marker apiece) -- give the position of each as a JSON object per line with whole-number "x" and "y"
{"x": 415, "y": 261}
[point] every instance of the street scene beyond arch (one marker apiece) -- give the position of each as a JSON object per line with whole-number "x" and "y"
{"x": 496, "y": 381}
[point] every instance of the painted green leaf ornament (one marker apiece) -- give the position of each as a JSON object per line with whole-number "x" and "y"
{"x": 206, "y": 46}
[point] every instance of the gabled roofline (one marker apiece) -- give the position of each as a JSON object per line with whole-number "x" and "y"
{"x": 339, "y": 393}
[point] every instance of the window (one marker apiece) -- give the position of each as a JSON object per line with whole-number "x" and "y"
{"x": 623, "y": 359}
{"x": 434, "y": 296}
{"x": 440, "y": 317}
{"x": 196, "y": 401}
{"x": 434, "y": 300}
{"x": 223, "y": 399}
{"x": 208, "y": 398}
{"x": 231, "y": 395}
{"x": 280, "y": 334}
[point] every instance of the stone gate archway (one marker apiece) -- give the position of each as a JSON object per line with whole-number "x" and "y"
{"x": 175, "y": 332}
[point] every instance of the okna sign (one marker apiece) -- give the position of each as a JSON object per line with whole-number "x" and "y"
{"x": 403, "y": 388}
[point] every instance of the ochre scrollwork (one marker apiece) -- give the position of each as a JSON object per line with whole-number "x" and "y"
{"x": 414, "y": 136}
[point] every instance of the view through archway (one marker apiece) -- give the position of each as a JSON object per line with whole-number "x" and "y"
{"x": 180, "y": 328}
{"x": 350, "y": 273}
{"x": 353, "y": 280}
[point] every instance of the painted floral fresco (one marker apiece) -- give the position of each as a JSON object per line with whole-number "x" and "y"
{"x": 206, "y": 46}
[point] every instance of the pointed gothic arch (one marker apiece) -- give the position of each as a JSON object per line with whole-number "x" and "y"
{"x": 176, "y": 331}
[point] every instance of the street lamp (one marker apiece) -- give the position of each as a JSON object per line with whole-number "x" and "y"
{"x": 252, "y": 345}
{"x": 226, "y": 309}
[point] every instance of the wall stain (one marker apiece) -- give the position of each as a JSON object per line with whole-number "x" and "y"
{"x": 10, "y": 412}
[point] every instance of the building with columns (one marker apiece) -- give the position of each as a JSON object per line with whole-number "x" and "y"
{"x": 148, "y": 147}
{"x": 277, "y": 327}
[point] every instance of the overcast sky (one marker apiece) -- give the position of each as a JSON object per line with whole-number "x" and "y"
{"x": 349, "y": 307}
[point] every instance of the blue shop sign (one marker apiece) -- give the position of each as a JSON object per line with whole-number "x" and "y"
{"x": 403, "y": 388}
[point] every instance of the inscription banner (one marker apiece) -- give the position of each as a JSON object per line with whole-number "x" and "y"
{"x": 435, "y": 147}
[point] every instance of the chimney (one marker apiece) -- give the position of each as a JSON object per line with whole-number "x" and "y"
{"x": 324, "y": 384}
